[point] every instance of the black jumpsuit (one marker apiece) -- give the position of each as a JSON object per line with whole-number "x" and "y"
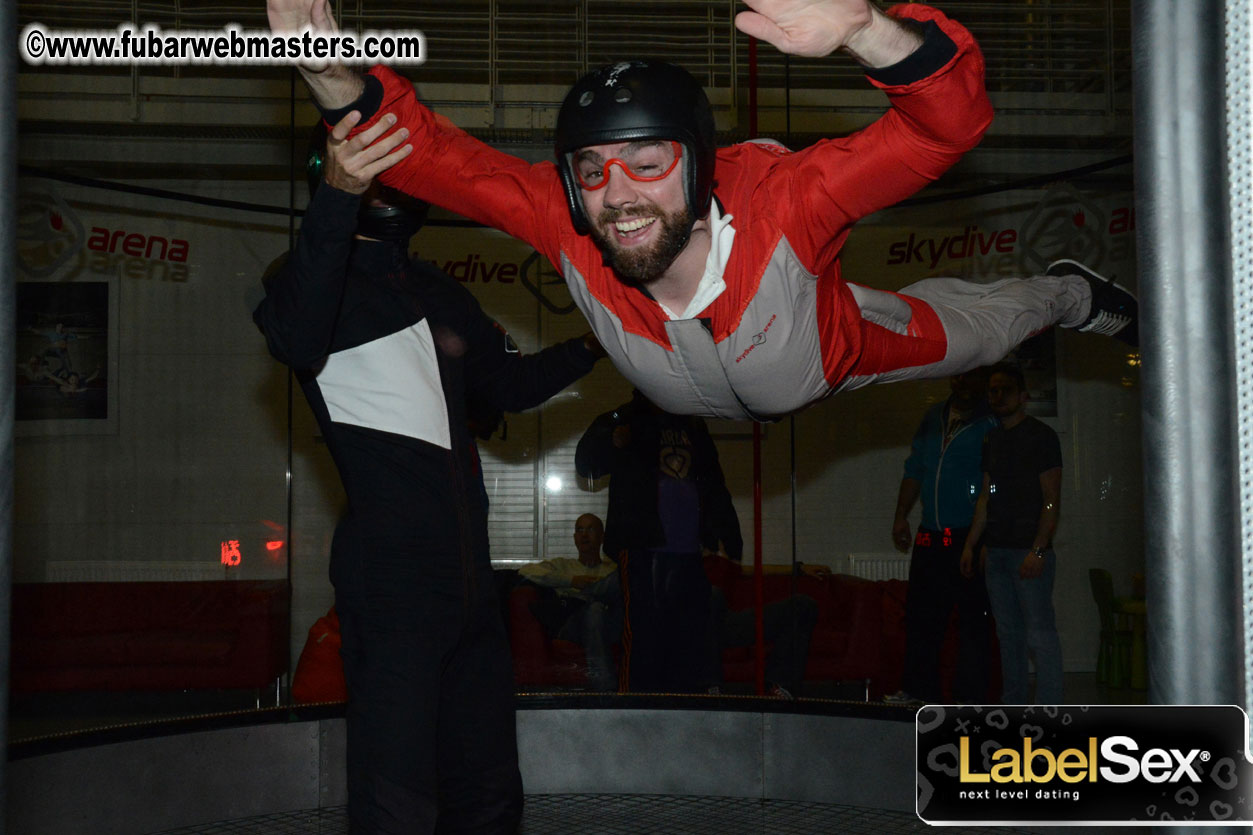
{"x": 387, "y": 351}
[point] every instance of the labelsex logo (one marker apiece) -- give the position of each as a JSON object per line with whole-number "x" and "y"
{"x": 1039, "y": 765}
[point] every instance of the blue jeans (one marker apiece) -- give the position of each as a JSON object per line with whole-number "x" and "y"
{"x": 596, "y": 627}
{"x": 1024, "y": 621}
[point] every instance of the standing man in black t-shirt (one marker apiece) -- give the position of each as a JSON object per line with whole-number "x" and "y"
{"x": 1017, "y": 516}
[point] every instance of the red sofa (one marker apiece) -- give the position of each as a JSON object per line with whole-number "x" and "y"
{"x": 537, "y": 659}
{"x": 221, "y": 634}
{"x": 859, "y": 636}
{"x": 845, "y": 645}
{"x": 845, "y": 641}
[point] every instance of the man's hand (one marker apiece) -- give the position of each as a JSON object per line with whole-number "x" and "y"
{"x": 814, "y": 28}
{"x": 967, "y": 563}
{"x": 333, "y": 85}
{"x": 290, "y": 15}
{"x": 298, "y": 15}
{"x": 1032, "y": 566}
{"x": 351, "y": 164}
{"x": 901, "y": 535}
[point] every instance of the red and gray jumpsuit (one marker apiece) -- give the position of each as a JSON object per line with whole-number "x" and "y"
{"x": 786, "y": 329}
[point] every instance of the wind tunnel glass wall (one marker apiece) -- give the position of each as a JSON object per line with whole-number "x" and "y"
{"x": 151, "y": 537}
{"x": 176, "y": 501}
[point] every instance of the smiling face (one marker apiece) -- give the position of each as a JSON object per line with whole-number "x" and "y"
{"x": 640, "y": 225}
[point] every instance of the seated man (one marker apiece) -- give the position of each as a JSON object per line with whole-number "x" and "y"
{"x": 587, "y": 609}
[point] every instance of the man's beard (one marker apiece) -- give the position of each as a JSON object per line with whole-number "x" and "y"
{"x": 643, "y": 265}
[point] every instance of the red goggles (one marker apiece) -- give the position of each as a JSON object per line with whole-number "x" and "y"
{"x": 645, "y": 162}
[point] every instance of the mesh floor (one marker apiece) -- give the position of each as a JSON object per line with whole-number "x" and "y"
{"x": 592, "y": 814}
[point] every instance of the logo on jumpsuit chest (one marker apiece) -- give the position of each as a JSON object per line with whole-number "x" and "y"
{"x": 759, "y": 338}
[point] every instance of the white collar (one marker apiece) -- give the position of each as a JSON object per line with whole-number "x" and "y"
{"x": 721, "y": 234}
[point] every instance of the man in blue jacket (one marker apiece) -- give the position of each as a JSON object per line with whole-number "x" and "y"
{"x": 944, "y": 469}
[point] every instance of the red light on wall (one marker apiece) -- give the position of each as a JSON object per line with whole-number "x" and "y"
{"x": 274, "y": 545}
{"x": 230, "y": 552}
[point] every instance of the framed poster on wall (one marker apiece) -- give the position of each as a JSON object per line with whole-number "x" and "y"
{"x": 66, "y": 358}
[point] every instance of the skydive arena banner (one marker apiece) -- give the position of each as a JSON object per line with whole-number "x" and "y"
{"x": 1098, "y": 765}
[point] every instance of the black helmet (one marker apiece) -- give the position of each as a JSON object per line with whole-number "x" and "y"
{"x": 398, "y": 221}
{"x": 638, "y": 100}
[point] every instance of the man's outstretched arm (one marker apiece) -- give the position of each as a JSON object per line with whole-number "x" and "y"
{"x": 334, "y": 86}
{"x": 932, "y": 72}
{"x": 799, "y": 27}
{"x": 814, "y": 28}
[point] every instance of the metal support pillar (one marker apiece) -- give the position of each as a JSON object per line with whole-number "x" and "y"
{"x": 1191, "y": 455}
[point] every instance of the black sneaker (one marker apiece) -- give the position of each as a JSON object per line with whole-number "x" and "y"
{"x": 1114, "y": 312}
